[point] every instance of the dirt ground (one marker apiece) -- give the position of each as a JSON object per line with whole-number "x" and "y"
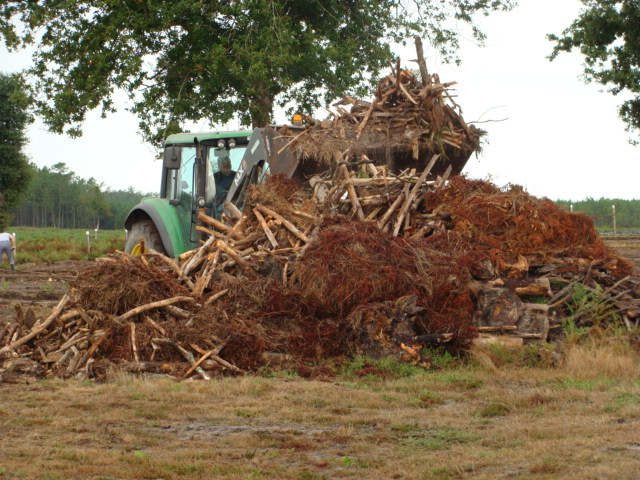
{"x": 628, "y": 246}
{"x": 38, "y": 287}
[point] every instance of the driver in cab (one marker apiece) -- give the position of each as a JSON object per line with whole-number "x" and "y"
{"x": 224, "y": 177}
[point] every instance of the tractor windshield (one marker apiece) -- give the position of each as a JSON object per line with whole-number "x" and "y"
{"x": 221, "y": 168}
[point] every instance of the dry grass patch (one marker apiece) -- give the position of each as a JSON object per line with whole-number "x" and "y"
{"x": 463, "y": 423}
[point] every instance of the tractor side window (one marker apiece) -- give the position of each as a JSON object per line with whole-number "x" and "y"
{"x": 184, "y": 183}
{"x": 264, "y": 172}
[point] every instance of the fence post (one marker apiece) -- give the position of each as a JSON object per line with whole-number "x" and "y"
{"x": 613, "y": 208}
{"x": 88, "y": 243}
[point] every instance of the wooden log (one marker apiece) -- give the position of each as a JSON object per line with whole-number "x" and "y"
{"x": 406, "y": 93}
{"x": 208, "y": 276}
{"x": 91, "y": 350}
{"x": 355, "y": 203}
{"x": 439, "y": 185}
{"x": 214, "y": 223}
{"x": 507, "y": 341}
{"x": 265, "y": 228}
{"x": 185, "y": 353}
{"x": 414, "y": 191}
{"x": 75, "y": 360}
{"x": 248, "y": 240}
{"x": 394, "y": 206}
{"x": 504, "y": 328}
{"x": 190, "y": 264}
{"x": 208, "y": 231}
{"x": 74, "y": 340}
{"x": 422, "y": 65}
{"x": 134, "y": 344}
{"x": 235, "y": 256}
{"x": 290, "y": 226}
{"x": 151, "y": 306}
{"x": 38, "y": 328}
{"x": 234, "y": 211}
{"x": 215, "y": 297}
{"x": 204, "y": 356}
{"x": 372, "y": 106}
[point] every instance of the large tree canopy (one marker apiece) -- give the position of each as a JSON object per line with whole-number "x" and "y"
{"x": 184, "y": 60}
{"x": 15, "y": 172}
{"x": 607, "y": 33}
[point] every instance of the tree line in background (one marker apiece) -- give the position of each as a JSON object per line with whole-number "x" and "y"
{"x": 627, "y": 212}
{"x": 57, "y": 197}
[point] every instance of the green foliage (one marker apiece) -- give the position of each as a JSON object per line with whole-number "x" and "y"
{"x": 587, "y": 303}
{"x": 601, "y": 211}
{"x": 440, "y": 358}
{"x": 607, "y": 34}
{"x": 14, "y": 166}
{"x": 200, "y": 60}
{"x": 573, "y": 333}
{"x": 56, "y": 197}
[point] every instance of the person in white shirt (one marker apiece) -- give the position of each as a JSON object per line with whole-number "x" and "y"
{"x": 8, "y": 246}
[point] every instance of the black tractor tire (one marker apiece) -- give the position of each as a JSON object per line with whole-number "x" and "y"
{"x": 145, "y": 229}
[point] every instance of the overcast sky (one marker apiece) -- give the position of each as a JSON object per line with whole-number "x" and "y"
{"x": 560, "y": 138}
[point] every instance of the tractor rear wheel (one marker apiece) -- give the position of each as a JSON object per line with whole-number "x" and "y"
{"x": 148, "y": 231}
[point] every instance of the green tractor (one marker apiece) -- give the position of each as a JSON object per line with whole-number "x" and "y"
{"x": 194, "y": 180}
{"x": 210, "y": 172}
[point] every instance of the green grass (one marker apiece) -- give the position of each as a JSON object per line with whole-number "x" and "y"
{"x": 46, "y": 245}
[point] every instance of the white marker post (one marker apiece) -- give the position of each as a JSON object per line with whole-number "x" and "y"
{"x": 613, "y": 208}
{"x": 88, "y": 243}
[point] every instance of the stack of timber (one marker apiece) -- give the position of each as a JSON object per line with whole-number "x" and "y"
{"x": 369, "y": 263}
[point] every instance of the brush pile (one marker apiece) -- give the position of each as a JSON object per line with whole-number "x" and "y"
{"x": 369, "y": 260}
{"x": 369, "y": 263}
{"x": 404, "y": 126}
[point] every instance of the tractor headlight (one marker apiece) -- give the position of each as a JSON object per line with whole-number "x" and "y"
{"x": 221, "y": 144}
{"x": 201, "y": 202}
{"x": 232, "y": 143}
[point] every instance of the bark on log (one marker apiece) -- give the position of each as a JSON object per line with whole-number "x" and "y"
{"x": 290, "y": 226}
{"x": 151, "y": 306}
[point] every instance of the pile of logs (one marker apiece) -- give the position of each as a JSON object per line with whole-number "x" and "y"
{"x": 215, "y": 315}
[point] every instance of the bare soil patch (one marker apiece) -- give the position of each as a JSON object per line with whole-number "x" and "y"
{"x": 628, "y": 246}
{"x": 38, "y": 287}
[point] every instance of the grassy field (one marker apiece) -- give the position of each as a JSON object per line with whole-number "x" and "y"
{"x": 484, "y": 418}
{"x": 53, "y": 244}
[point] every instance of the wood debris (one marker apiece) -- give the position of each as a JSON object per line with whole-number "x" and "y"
{"x": 368, "y": 263}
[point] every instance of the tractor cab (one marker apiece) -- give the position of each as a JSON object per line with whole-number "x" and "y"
{"x": 203, "y": 172}
{"x": 197, "y": 173}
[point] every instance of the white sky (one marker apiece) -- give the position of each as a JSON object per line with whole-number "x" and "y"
{"x": 562, "y": 138}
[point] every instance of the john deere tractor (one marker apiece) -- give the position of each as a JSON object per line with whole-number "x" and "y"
{"x": 193, "y": 166}
{"x": 190, "y": 169}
